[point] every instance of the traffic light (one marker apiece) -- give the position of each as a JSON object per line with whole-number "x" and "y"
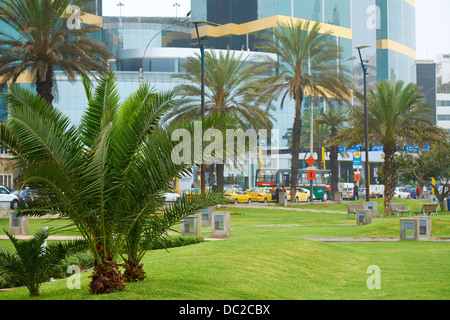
{"x": 320, "y": 164}
{"x": 400, "y": 148}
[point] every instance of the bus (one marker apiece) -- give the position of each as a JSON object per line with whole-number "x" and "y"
{"x": 282, "y": 177}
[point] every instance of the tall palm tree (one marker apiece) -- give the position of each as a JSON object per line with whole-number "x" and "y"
{"x": 42, "y": 41}
{"x": 106, "y": 174}
{"x": 397, "y": 115}
{"x": 321, "y": 131}
{"x": 334, "y": 119}
{"x": 307, "y": 65}
{"x": 229, "y": 89}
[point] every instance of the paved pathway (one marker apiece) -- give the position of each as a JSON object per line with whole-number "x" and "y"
{"x": 371, "y": 239}
{"x": 278, "y": 207}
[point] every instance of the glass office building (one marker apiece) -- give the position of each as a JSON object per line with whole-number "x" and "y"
{"x": 152, "y": 49}
{"x": 386, "y": 26}
{"x": 396, "y": 40}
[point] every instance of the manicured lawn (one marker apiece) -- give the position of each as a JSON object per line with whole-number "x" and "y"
{"x": 267, "y": 258}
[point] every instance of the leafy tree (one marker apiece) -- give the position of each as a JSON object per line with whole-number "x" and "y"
{"x": 229, "y": 89}
{"x": 428, "y": 165}
{"x": 35, "y": 260}
{"x": 306, "y": 66}
{"x": 107, "y": 173}
{"x": 41, "y": 41}
{"x": 396, "y": 116}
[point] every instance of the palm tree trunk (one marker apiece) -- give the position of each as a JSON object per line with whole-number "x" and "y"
{"x": 334, "y": 166}
{"x": 134, "y": 271}
{"x": 295, "y": 148}
{"x": 44, "y": 85}
{"x": 220, "y": 177}
{"x": 106, "y": 277}
{"x": 390, "y": 176}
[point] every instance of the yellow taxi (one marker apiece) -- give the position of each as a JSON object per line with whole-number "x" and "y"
{"x": 236, "y": 196}
{"x": 262, "y": 194}
{"x": 300, "y": 196}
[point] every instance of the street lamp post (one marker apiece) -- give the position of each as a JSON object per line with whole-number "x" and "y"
{"x": 120, "y": 5}
{"x": 366, "y": 125}
{"x": 141, "y": 70}
{"x": 176, "y": 5}
{"x": 202, "y": 95}
{"x": 202, "y": 92}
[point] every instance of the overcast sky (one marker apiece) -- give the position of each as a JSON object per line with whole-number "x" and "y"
{"x": 432, "y": 19}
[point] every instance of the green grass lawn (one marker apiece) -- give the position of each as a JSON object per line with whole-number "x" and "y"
{"x": 267, "y": 258}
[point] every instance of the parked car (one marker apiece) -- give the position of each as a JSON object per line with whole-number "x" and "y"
{"x": 376, "y": 190}
{"x": 401, "y": 193}
{"x": 262, "y": 194}
{"x": 171, "y": 196}
{"x": 26, "y": 195}
{"x": 411, "y": 190}
{"x": 7, "y": 196}
{"x": 347, "y": 193}
{"x": 236, "y": 186}
{"x": 237, "y": 196}
{"x": 362, "y": 193}
{"x": 300, "y": 196}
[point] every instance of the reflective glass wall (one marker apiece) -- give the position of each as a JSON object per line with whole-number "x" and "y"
{"x": 396, "y": 44}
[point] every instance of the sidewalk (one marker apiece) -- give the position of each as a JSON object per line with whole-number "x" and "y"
{"x": 65, "y": 238}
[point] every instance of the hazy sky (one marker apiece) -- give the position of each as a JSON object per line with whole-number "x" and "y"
{"x": 432, "y": 19}
{"x": 432, "y": 28}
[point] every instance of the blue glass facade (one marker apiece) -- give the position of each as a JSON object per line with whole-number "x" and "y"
{"x": 387, "y": 26}
{"x": 396, "y": 41}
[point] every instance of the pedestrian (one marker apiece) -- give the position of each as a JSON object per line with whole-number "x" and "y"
{"x": 277, "y": 192}
{"x": 355, "y": 191}
{"x": 418, "y": 192}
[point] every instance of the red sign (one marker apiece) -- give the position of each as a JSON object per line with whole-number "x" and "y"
{"x": 310, "y": 161}
{"x": 357, "y": 176}
{"x": 311, "y": 174}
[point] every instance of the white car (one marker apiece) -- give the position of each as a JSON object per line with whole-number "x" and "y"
{"x": 7, "y": 196}
{"x": 401, "y": 193}
{"x": 347, "y": 193}
{"x": 171, "y": 196}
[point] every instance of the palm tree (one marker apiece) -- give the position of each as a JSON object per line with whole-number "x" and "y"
{"x": 41, "y": 41}
{"x": 397, "y": 115}
{"x": 35, "y": 260}
{"x": 229, "y": 89}
{"x": 106, "y": 174}
{"x": 149, "y": 229}
{"x": 321, "y": 132}
{"x": 307, "y": 65}
{"x": 334, "y": 119}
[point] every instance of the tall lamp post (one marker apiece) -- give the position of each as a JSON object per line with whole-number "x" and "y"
{"x": 120, "y": 5}
{"x": 141, "y": 70}
{"x": 202, "y": 97}
{"x": 366, "y": 125}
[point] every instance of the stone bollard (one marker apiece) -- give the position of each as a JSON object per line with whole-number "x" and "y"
{"x": 18, "y": 226}
{"x": 192, "y": 225}
{"x": 338, "y": 197}
{"x": 220, "y": 224}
